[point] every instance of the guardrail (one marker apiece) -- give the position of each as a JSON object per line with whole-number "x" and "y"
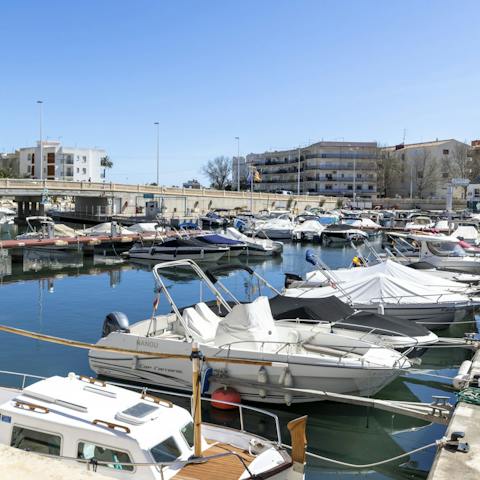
{"x": 108, "y": 187}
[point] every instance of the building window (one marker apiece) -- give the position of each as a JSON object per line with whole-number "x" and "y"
{"x": 359, "y": 175}
{"x": 349, "y": 187}
{"x": 89, "y": 451}
{"x": 359, "y": 187}
{"x": 328, "y": 187}
{"x": 84, "y": 159}
{"x": 84, "y": 171}
{"x": 78, "y": 170}
{"x": 446, "y": 151}
{"x": 34, "y": 441}
{"x": 445, "y": 175}
{"x": 476, "y": 192}
{"x": 419, "y": 174}
{"x": 370, "y": 187}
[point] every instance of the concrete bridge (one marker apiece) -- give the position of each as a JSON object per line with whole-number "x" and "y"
{"x": 109, "y": 199}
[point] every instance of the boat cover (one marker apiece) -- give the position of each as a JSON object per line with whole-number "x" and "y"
{"x": 218, "y": 239}
{"x": 380, "y": 287}
{"x": 468, "y": 232}
{"x": 388, "y": 267}
{"x": 309, "y": 226}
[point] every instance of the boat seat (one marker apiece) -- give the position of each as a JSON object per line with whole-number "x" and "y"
{"x": 202, "y": 328}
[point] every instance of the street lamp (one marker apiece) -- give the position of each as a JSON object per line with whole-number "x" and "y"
{"x": 298, "y": 172}
{"x": 40, "y": 163}
{"x": 238, "y": 163}
{"x": 158, "y": 152}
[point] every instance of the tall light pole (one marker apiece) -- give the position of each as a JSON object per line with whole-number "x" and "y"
{"x": 238, "y": 163}
{"x": 158, "y": 153}
{"x": 40, "y": 163}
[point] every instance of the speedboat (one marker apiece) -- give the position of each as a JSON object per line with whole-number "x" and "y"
{"x": 235, "y": 247}
{"x": 213, "y": 220}
{"x": 275, "y": 228}
{"x": 308, "y": 229}
{"x": 256, "y": 247}
{"x": 332, "y": 362}
{"x": 128, "y": 434}
{"x": 342, "y": 234}
{"x": 178, "y": 248}
{"x": 420, "y": 223}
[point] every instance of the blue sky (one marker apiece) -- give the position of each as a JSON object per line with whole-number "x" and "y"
{"x": 276, "y": 73}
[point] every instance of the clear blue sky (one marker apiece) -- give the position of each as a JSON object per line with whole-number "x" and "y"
{"x": 276, "y": 73}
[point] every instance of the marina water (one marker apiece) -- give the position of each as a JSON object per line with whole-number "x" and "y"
{"x": 68, "y": 296}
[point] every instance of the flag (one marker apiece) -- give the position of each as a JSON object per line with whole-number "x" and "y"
{"x": 256, "y": 176}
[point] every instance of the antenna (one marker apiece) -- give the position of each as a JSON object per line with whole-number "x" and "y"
{"x": 404, "y": 135}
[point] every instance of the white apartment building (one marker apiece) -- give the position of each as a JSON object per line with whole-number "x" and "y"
{"x": 423, "y": 170}
{"x": 324, "y": 168}
{"x": 62, "y": 163}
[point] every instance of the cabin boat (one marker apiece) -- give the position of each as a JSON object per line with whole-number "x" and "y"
{"x": 298, "y": 354}
{"x": 280, "y": 227}
{"x": 130, "y": 435}
{"x": 420, "y": 223}
{"x": 342, "y": 234}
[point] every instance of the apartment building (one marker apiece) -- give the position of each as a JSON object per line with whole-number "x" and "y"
{"x": 62, "y": 163}
{"x": 423, "y": 170}
{"x": 239, "y": 165}
{"x": 346, "y": 169}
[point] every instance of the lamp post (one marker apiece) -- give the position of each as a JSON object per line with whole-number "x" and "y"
{"x": 238, "y": 163}
{"x": 354, "y": 181}
{"x": 158, "y": 152}
{"x": 40, "y": 163}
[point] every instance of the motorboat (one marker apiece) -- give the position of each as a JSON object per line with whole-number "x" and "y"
{"x": 146, "y": 227}
{"x": 275, "y": 228}
{"x": 106, "y": 228}
{"x": 468, "y": 233}
{"x": 420, "y": 223}
{"x": 7, "y": 216}
{"x": 256, "y": 247}
{"x": 235, "y": 247}
{"x": 213, "y": 220}
{"x": 309, "y": 229}
{"x": 128, "y": 434}
{"x": 342, "y": 234}
{"x": 331, "y": 312}
{"x": 334, "y": 363}
{"x": 176, "y": 249}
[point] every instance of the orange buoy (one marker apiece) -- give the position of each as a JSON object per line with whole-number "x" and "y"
{"x": 225, "y": 394}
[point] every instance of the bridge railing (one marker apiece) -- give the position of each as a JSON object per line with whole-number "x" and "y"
{"x": 38, "y": 186}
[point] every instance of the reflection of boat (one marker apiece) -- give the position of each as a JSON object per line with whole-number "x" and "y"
{"x": 91, "y": 422}
{"x": 335, "y": 363}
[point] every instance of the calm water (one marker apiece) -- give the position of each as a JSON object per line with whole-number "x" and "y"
{"x": 62, "y": 296}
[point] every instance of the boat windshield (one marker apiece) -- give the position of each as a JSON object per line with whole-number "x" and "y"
{"x": 166, "y": 451}
{"x": 446, "y": 249}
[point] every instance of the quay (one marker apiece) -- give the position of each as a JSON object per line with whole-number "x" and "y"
{"x": 452, "y": 463}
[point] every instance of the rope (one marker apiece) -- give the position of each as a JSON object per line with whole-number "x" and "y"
{"x": 469, "y": 395}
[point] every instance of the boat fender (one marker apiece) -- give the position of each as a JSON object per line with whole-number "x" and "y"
{"x": 134, "y": 363}
{"x": 262, "y": 377}
{"x": 255, "y": 447}
{"x": 225, "y": 394}
{"x": 205, "y": 379}
{"x": 461, "y": 379}
{"x": 381, "y": 309}
{"x": 288, "y": 382}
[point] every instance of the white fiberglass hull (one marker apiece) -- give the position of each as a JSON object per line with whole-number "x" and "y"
{"x": 307, "y": 372}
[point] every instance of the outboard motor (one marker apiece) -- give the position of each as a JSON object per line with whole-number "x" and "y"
{"x": 115, "y": 322}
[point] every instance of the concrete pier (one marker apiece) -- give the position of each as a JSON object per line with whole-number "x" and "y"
{"x": 450, "y": 464}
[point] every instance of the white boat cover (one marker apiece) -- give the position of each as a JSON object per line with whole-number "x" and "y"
{"x": 104, "y": 229}
{"x": 234, "y": 234}
{"x": 275, "y": 224}
{"x": 391, "y": 268}
{"x": 248, "y": 321}
{"x": 364, "y": 223}
{"x": 313, "y": 226}
{"x": 467, "y": 232}
{"x": 379, "y": 286}
{"x": 146, "y": 227}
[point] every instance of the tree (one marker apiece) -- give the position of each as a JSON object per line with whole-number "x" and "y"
{"x": 218, "y": 172}
{"x": 388, "y": 171}
{"x": 8, "y": 172}
{"x": 426, "y": 173}
{"x": 459, "y": 163}
{"x": 106, "y": 162}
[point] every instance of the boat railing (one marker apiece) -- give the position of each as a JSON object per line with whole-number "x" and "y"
{"x": 241, "y": 408}
{"x": 399, "y": 298}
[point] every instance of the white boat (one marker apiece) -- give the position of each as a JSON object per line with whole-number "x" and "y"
{"x": 107, "y": 228}
{"x": 135, "y": 435}
{"x": 308, "y": 230}
{"x": 256, "y": 247}
{"x": 433, "y": 307}
{"x": 469, "y": 233}
{"x": 342, "y": 234}
{"x": 333, "y": 362}
{"x": 7, "y": 216}
{"x": 420, "y": 223}
{"x": 146, "y": 227}
{"x": 275, "y": 228}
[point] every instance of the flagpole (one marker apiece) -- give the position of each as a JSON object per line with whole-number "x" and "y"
{"x": 251, "y": 189}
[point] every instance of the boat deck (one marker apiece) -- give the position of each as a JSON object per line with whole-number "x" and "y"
{"x": 224, "y": 468}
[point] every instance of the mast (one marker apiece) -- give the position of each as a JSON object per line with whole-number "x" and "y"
{"x": 196, "y": 400}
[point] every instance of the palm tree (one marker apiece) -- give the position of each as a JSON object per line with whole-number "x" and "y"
{"x": 105, "y": 162}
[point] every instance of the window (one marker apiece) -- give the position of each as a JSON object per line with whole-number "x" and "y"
{"x": 446, "y": 151}
{"x": 87, "y": 451}
{"x": 166, "y": 451}
{"x": 359, "y": 175}
{"x": 187, "y": 432}
{"x": 476, "y": 192}
{"x": 328, "y": 187}
{"x": 349, "y": 187}
{"x": 84, "y": 158}
{"x": 84, "y": 171}
{"x": 445, "y": 175}
{"x": 370, "y": 187}
{"x": 78, "y": 170}
{"x": 359, "y": 187}
{"x": 34, "y": 441}
{"x": 419, "y": 174}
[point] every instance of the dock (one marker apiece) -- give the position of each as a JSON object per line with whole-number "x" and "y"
{"x": 452, "y": 463}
